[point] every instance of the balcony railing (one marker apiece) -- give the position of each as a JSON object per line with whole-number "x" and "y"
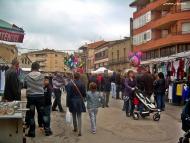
{"x": 119, "y": 61}
{"x": 170, "y": 39}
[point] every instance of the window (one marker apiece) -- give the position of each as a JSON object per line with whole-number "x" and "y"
{"x": 188, "y": 47}
{"x": 118, "y": 54}
{"x": 142, "y": 20}
{"x": 124, "y": 50}
{"x": 185, "y": 5}
{"x": 186, "y": 28}
{"x": 142, "y": 37}
{"x": 156, "y": 53}
{"x": 181, "y": 48}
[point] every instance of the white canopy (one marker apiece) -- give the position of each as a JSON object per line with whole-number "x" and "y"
{"x": 101, "y": 70}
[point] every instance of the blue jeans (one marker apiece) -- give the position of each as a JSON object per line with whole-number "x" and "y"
{"x": 113, "y": 89}
{"x": 47, "y": 117}
{"x": 57, "y": 101}
{"x": 160, "y": 101}
{"x": 92, "y": 115}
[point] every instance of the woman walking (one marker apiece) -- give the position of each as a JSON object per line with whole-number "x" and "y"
{"x": 93, "y": 103}
{"x": 130, "y": 84}
{"x": 76, "y": 92}
{"x": 159, "y": 91}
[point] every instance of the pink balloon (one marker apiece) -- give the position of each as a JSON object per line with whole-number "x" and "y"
{"x": 139, "y": 54}
{"x": 135, "y": 61}
{"x": 130, "y": 55}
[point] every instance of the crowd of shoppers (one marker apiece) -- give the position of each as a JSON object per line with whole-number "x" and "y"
{"x": 95, "y": 89}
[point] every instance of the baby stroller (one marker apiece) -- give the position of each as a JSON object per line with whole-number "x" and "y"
{"x": 148, "y": 107}
{"x": 185, "y": 118}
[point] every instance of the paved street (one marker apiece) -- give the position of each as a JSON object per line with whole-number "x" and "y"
{"x": 114, "y": 127}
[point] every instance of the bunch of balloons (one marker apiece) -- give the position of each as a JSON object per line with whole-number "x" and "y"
{"x": 72, "y": 61}
{"x": 135, "y": 58}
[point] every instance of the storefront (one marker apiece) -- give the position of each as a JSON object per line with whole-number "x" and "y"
{"x": 176, "y": 69}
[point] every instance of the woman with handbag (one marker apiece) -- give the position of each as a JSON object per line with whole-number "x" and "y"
{"x": 76, "y": 93}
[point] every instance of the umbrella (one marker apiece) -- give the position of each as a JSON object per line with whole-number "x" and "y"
{"x": 10, "y": 33}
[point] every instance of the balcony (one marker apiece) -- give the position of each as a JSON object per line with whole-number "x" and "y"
{"x": 148, "y": 7}
{"x": 171, "y": 39}
{"x": 169, "y": 18}
{"x": 119, "y": 61}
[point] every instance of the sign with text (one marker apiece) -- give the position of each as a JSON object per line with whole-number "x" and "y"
{"x": 11, "y": 36}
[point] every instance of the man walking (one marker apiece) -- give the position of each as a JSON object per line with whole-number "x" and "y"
{"x": 58, "y": 83}
{"x": 34, "y": 83}
{"x": 106, "y": 89}
{"x": 12, "y": 85}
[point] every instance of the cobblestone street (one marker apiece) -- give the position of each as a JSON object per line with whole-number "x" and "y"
{"x": 114, "y": 127}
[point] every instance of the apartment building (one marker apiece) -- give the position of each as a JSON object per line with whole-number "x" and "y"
{"x": 118, "y": 54}
{"x": 49, "y": 60}
{"x": 88, "y": 54}
{"x": 8, "y": 52}
{"x": 161, "y": 28}
{"x": 24, "y": 61}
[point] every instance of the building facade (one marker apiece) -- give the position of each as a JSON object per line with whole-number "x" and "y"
{"x": 24, "y": 61}
{"x": 49, "y": 60}
{"x": 88, "y": 54}
{"x": 118, "y": 54}
{"x": 161, "y": 28}
{"x": 8, "y": 52}
{"x": 101, "y": 56}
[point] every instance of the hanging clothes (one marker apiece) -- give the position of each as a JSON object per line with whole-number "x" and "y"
{"x": 170, "y": 93}
{"x": 176, "y": 66}
{"x": 2, "y": 80}
{"x": 186, "y": 92}
{"x": 179, "y": 89}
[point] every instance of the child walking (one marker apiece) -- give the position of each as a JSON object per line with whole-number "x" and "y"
{"x": 94, "y": 101}
{"x": 47, "y": 106}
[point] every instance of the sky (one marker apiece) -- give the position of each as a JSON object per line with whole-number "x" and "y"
{"x": 67, "y": 24}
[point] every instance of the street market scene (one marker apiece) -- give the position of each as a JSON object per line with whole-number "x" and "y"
{"x": 84, "y": 71}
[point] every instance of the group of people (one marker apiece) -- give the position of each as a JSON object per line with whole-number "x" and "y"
{"x": 39, "y": 90}
{"x": 79, "y": 88}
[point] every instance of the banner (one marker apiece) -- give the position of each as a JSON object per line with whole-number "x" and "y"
{"x": 11, "y": 36}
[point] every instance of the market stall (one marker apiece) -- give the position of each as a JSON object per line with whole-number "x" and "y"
{"x": 102, "y": 70}
{"x": 11, "y": 122}
{"x": 3, "y": 68}
{"x": 11, "y": 113}
{"x": 176, "y": 69}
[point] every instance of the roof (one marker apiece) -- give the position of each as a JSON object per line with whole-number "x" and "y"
{"x": 93, "y": 45}
{"x": 45, "y": 51}
{"x": 6, "y": 25}
{"x": 96, "y": 44}
{"x": 133, "y": 3}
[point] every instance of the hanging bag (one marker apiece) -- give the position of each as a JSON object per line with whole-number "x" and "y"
{"x": 82, "y": 98}
{"x": 68, "y": 117}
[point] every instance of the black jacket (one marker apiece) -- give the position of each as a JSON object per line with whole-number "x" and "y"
{"x": 74, "y": 100}
{"x": 106, "y": 84}
{"x": 47, "y": 94}
{"x": 159, "y": 87}
{"x": 12, "y": 86}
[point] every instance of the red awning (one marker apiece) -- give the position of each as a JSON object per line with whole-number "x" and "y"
{"x": 11, "y": 36}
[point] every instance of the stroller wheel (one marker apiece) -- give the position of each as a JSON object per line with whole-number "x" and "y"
{"x": 156, "y": 117}
{"x": 135, "y": 116}
{"x": 183, "y": 140}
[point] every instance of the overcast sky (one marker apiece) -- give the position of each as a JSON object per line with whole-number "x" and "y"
{"x": 67, "y": 24}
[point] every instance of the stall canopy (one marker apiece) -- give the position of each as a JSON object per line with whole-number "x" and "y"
{"x": 101, "y": 70}
{"x": 10, "y": 32}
